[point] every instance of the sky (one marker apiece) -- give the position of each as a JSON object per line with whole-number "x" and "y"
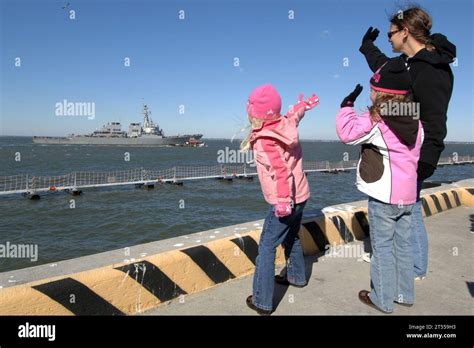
{"x": 196, "y": 72}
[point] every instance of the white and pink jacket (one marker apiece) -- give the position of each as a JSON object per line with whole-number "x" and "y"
{"x": 389, "y": 157}
{"x": 279, "y": 160}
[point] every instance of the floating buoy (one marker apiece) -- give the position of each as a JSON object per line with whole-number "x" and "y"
{"x": 73, "y": 191}
{"x": 52, "y": 188}
{"x": 76, "y": 192}
{"x": 31, "y": 195}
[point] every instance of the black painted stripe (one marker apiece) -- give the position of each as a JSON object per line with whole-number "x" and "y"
{"x": 249, "y": 246}
{"x": 446, "y": 200}
{"x": 426, "y": 207}
{"x": 317, "y": 234}
{"x": 153, "y": 279}
{"x": 456, "y": 198}
{"x": 436, "y": 202}
{"x": 362, "y": 220}
{"x": 85, "y": 301}
{"x": 341, "y": 226}
{"x": 209, "y": 263}
{"x": 470, "y": 190}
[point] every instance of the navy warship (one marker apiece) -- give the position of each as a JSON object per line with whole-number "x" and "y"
{"x": 146, "y": 134}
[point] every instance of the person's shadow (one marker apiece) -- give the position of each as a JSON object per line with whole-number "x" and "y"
{"x": 280, "y": 290}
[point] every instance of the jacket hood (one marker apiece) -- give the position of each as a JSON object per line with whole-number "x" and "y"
{"x": 405, "y": 127}
{"x": 444, "y": 54}
{"x": 280, "y": 130}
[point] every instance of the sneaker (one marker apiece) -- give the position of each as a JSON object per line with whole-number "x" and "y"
{"x": 366, "y": 257}
{"x": 404, "y": 304}
{"x": 420, "y": 277}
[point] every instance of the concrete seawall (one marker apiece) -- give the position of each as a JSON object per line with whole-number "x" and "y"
{"x": 136, "y": 279}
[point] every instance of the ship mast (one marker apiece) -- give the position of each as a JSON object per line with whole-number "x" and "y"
{"x": 147, "y": 122}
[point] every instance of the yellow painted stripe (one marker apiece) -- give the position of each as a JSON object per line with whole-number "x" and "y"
{"x": 232, "y": 257}
{"x": 307, "y": 242}
{"x": 180, "y": 268}
{"x": 466, "y": 197}
{"x": 118, "y": 289}
{"x": 329, "y": 229}
{"x": 23, "y": 300}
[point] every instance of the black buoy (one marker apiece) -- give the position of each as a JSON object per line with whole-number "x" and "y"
{"x": 32, "y": 196}
{"x": 73, "y": 192}
{"x": 245, "y": 177}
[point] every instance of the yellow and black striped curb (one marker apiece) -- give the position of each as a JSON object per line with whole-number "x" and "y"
{"x": 131, "y": 288}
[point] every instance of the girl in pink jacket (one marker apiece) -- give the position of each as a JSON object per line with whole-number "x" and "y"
{"x": 279, "y": 159}
{"x": 391, "y": 136}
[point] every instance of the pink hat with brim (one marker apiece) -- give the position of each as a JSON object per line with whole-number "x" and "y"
{"x": 264, "y": 103}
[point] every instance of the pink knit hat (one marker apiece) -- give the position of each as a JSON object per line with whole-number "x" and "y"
{"x": 264, "y": 103}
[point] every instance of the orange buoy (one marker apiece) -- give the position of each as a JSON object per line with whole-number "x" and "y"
{"x": 52, "y": 188}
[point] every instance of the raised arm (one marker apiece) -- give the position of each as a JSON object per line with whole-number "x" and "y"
{"x": 350, "y": 128}
{"x": 297, "y": 111}
{"x": 353, "y": 129}
{"x": 375, "y": 58}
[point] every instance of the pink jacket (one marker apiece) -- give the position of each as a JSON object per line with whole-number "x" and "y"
{"x": 389, "y": 155}
{"x": 279, "y": 160}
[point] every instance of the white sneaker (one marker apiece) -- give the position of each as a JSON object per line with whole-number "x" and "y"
{"x": 420, "y": 277}
{"x": 366, "y": 257}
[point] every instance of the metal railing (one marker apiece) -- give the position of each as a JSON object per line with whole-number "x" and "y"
{"x": 27, "y": 183}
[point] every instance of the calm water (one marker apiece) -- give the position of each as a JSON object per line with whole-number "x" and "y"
{"x": 107, "y": 219}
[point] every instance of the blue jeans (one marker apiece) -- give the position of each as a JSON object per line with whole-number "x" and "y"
{"x": 419, "y": 237}
{"x": 278, "y": 231}
{"x": 391, "y": 267}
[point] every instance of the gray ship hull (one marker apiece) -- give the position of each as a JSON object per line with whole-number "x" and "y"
{"x": 125, "y": 141}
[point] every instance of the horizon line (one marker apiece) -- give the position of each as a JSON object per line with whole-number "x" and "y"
{"x": 302, "y": 139}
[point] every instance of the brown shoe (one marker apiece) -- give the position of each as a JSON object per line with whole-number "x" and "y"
{"x": 365, "y": 298}
{"x": 255, "y": 308}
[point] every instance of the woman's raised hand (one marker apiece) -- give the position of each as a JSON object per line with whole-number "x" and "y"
{"x": 371, "y": 35}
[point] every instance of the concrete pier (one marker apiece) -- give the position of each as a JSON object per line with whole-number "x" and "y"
{"x": 334, "y": 282}
{"x": 210, "y": 272}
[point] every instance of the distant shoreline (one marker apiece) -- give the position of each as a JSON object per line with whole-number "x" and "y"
{"x": 452, "y": 142}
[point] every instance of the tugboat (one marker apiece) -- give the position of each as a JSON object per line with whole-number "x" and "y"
{"x": 146, "y": 134}
{"x": 193, "y": 142}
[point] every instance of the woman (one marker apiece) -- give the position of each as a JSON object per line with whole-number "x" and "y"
{"x": 427, "y": 58}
